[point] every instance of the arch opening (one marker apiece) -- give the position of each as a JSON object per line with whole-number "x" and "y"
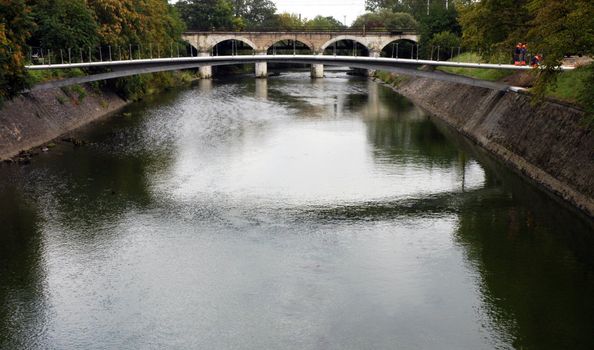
{"x": 232, "y": 47}
{"x": 287, "y": 47}
{"x": 401, "y": 48}
{"x": 190, "y": 49}
{"x": 346, "y": 47}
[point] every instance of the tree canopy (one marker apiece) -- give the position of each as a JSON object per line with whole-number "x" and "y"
{"x": 255, "y": 13}
{"x": 326, "y": 23}
{"x": 64, "y": 24}
{"x": 16, "y": 24}
{"x": 207, "y": 14}
{"x": 386, "y": 19}
{"x": 553, "y": 29}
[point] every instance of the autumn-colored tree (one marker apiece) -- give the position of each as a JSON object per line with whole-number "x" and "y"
{"x": 139, "y": 23}
{"x": 124, "y": 22}
{"x": 15, "y": 29}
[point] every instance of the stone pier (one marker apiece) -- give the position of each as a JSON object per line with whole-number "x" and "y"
{"x": 205, "y": 71}
{"x": 373, "y": 53}
{"x": 261, "y": 69}
{"x": 317, "y": 71}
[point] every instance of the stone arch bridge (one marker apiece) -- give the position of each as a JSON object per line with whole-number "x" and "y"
{"x": 317, "y": 42}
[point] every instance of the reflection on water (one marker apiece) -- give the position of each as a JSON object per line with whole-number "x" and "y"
{"x": 286, "y": 213}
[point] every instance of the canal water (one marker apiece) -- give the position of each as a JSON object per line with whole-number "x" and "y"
{"x": 286, "y": 214}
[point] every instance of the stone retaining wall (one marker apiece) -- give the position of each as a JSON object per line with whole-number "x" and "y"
{"x": 548, "y": 143}
{"x": 36, "y": 118}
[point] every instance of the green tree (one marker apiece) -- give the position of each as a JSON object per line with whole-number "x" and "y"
{"x": 207, "y": 14}
{"x": 326, "y": 23}
{"x": 255, "y": 13}
{"x": 64, "y": 24}
{"x": 446, "y": 41}
{"x": 493, "y": 24}
{"x": 386, "y": 19}
{"x": 560, "y": 28}
{"x": 286, "y": 21}
{"x": 15, "y": 28}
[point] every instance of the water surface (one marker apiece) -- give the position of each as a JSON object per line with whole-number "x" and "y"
{"x": 286, "y": 214}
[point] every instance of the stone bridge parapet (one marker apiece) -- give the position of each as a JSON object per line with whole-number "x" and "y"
{"x": 315, "y": 41}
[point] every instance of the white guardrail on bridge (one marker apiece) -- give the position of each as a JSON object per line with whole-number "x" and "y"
{"x": 316, "y": 59}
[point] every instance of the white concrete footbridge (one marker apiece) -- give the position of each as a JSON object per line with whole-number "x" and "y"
{"x": 202, "y": 52}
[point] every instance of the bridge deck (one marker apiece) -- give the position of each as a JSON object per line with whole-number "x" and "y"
{"x": 307, "y": 59}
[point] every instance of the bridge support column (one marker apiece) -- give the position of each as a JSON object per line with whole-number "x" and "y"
{"x": 261, "y": 70}
{"x": 317, "y": 71}
{"x": 205, "y": 71}
{"x": 261, "y": 67}
{"x": 375, "y": 54}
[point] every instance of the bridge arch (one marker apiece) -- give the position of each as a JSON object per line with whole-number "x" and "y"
{"x": 399, "y": 48}
{"x": 358, "y": 39}
{"x": 218, "y": 39}
{"x": 299, "y": 45}
{"x": 304, "y": 42}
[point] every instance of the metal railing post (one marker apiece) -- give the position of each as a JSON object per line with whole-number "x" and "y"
{"x": 109, "y": 48}
{"x": 130, "y": 47}
{"x": 100, "y": 55}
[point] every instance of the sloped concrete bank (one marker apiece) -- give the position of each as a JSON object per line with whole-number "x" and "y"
{"x": 36, "y": 118}
{"x": 547, "y": 143}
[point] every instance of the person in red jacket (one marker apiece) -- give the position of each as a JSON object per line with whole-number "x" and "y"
{"x": 523, "y": 54}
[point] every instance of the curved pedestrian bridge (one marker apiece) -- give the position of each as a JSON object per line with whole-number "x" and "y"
{"x": 398, "y": 65}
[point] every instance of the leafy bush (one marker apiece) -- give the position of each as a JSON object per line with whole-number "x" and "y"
{"x": 446, "y": 41}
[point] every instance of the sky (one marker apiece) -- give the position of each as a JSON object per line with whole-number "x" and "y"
{"x": 311, "y": 8}
{"x": 335, "y": 8}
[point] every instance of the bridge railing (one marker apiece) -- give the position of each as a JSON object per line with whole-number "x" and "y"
{"x": 308, "y": 29}
{"x": 400, "y": 50}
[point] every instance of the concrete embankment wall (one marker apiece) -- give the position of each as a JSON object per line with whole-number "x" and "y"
{"x": 549, "y": 143}
{"x": 36, "y": 118}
